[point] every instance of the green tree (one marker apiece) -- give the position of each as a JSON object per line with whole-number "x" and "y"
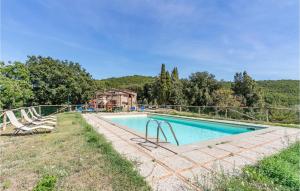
{"x": 200, "y": 88}
{"x": 169, "y": 86}
{"x": 176, "y": 94}
{"x": 225, "y": 98}
{"x": 56, "y": 81}
{"x": 245, "y": 87}
{"x": 147, "y": 95}
{"x": 162, "y": 86}
{"x": 175, "y": 75}
{"x": 15, "y": 87}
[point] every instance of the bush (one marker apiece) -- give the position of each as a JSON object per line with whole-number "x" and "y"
{"x": 47, "y": 183}
{"x": 277, "y": 172}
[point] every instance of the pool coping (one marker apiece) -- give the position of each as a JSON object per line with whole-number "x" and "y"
{"x": 182, "y": 162}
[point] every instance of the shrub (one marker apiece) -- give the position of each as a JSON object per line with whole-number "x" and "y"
{"x": 277, "y": 172}
{"x": 47, "y": 183}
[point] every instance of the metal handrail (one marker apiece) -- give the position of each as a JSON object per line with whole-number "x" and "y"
{"x": 158, "y": 128}
{"x": 171, "y": 129}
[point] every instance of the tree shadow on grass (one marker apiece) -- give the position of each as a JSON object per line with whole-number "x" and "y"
{"x": 24, "y": 134}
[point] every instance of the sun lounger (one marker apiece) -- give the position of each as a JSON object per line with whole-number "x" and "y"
{"x": 142, "y": 108}
{"x": 36, "y": 116}
{"x": 20, "y": 127}
{"x": 27, "y": 118}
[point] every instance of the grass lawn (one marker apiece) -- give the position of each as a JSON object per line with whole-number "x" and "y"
{"x": 74, "y": 157}
{"x": 277, "y": 172}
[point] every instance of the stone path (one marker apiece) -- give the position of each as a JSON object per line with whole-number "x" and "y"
{"x": 172, "y": 167}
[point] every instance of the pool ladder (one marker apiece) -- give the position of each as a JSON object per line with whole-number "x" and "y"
{"x": 159, "y": 129}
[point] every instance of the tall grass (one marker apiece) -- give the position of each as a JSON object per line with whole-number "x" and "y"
{"x": 126, "y": 177}
{"x": 277, "y": 172}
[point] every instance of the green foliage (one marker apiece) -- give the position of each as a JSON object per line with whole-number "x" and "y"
{"x": 200, "y": 87}
{"x": 176, "y": 96}
{"x": 57, "y": 82}
{"x": 278, "y": 172}
{"x": 15, "y": 87}
{"x": 134, "y": 83}
{"x": 273, "y": 92}
{"x": 44, "y": 80}
{"x": 225, "y": 98}
{"x": 286, "y": 116}
{"x": 245, "y": 87}
{"x": 166, "y": 89}
{"x": 47, "y": 183}
{"x": 6, "y": 184}
{"x": 277, "y": 92}
{"x": 175, "y": 75}
{"x": 162, "y": 86}
{"x": 281, "y": 92}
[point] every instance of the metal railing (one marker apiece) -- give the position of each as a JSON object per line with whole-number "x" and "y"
{"x": 159, "y": 129}
{"x": 254, "y": 114}
{"x": 266, "y": 114}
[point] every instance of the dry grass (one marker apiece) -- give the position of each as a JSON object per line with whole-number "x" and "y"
{"x": 64, "y": 153}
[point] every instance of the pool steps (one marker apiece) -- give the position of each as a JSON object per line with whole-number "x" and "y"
{"x": 159, "y": 129}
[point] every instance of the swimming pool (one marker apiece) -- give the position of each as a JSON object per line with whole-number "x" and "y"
{"x": 187, "y": 131}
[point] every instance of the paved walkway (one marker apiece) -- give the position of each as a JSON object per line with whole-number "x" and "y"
{"x": 172, "y": 167}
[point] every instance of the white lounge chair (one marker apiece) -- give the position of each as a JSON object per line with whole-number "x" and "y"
{"x": 27, "y": 118}
{"x": 20, "y": 127}
{"x": 38, "y": 117}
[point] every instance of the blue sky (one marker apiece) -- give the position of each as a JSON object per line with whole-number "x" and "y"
{"x": 118, "y": 37}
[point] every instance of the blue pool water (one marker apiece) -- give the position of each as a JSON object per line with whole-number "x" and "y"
{"x": 187, "y": 131}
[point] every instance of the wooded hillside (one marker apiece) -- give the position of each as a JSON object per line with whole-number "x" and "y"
{"x": 276, "y": 92}
{"x": 134, "y": 82}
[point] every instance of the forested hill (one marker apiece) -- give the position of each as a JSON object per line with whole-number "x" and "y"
{"x": 277, "y": 92}
{"x": 283, "y": 92}
{"x": 45, "y": 80}
{"x": 134, "y": 82}
{"x": 281, "y": 86}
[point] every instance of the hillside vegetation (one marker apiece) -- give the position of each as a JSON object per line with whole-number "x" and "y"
{"x": 276, "y": 92}
{"x": 134, "y": 82}
{"x": 281, "y": 92}
{"x": 46, "y": 80}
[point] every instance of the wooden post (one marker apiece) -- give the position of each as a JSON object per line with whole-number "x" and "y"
{"x": 22, "y": 117}
{"x": 267, "y": 115}
{"x": 40, "y": 110}
{"x": 4, "y": 121}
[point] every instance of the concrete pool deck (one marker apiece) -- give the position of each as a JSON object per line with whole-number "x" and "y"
{"x": 171, "y": 167}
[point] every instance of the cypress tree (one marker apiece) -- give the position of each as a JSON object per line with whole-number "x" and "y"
{"x": 162, "y": 92}
{"x": 174, "y": 74}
